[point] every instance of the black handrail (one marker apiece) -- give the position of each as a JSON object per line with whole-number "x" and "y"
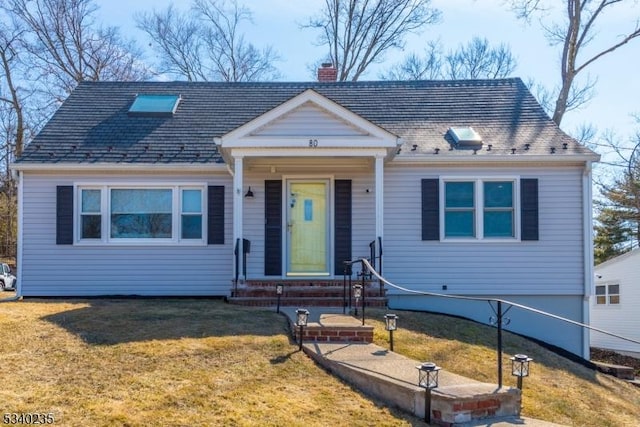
{"x": 236, "y": 268}
{"x": 499, "y": 312}
{"x": 246, "y": 248}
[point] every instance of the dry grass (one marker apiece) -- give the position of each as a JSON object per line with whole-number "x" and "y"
{"x": 203, "y": 362}
{"x": 558, "y": 389}
{"x": 167, "y": 362}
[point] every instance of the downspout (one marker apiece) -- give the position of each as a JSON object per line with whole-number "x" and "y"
{"x": 20, "y": 178}
{"x": 587, "y": 215}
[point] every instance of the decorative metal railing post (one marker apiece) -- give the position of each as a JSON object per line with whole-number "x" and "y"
{"x": 364, "y": 291}
{"x": 499, "y": 321}
{"x": 344, "y": 287}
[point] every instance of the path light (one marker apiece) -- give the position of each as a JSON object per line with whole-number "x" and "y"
{"x": 302, "y": 316}
{"x": 428, "y": 379}
{"x": 390, "y": 324}
{"x": 279, "y": 290}
{"x": 357, "y": 293}
{"x": 520, "y": 367}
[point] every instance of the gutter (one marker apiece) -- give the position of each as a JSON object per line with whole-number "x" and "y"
{"x": 587, "y": 218}
{"x": 120, "y": 167}
{"x": 497, "y": 158}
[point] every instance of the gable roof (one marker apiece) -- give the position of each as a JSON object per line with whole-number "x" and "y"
{"x": 92, "y": 125}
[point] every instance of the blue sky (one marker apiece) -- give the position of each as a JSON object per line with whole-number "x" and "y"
{"x": 277, "y": 23}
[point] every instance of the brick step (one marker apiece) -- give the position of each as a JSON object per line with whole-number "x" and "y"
{"x": 302, "y": 301}
{"x": 318, "y": 292}
{"x": 266, "y": 284}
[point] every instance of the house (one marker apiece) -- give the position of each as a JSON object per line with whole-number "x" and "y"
{"x": 466, "y": 186}
{"x": 614, "y": 305}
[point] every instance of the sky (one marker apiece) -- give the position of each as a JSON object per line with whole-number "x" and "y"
{"x": 277, "y": 23}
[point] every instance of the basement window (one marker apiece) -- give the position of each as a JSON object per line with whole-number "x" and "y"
{"x": 608, "y": 294}
{"x": 154, "y": 105}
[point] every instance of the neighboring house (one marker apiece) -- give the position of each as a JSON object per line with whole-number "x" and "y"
{"x": 143, "y": 188}
{"x": 615, "y": 303}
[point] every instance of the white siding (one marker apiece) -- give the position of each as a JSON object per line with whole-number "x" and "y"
{"x": 544, "y": 328}
{"x": 551, "y": 266}
{"x": 309, "y": 119}
{"x": 624, "y": 318}
{"x": 50, "y": 269}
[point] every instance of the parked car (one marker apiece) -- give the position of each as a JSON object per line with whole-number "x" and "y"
{"x": 7, "y": 280}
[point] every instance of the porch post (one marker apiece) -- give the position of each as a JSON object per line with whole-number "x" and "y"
{"x": 379, "y": 176}
{"x": 237, "y": 203}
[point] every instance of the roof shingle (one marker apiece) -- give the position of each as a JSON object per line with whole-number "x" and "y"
{"x": 92, "y": 125}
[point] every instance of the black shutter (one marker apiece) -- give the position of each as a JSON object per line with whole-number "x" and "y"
{"x": 64, "y": 215}
{"x": 529, "y": 209}
{"x": 342, "y": 224}
{"x": 273, "y": 228}
{"x": 215, "y": 211}
{"x": 430, "y": 209}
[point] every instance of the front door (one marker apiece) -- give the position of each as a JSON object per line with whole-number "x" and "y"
{"x": 307, "y": 228}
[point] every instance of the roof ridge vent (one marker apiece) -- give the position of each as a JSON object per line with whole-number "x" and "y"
{"x": 465, "y": 136}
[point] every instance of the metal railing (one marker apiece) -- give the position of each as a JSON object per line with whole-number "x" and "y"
{"x": 246, "y": 248}
{"x": 496, "y": 304}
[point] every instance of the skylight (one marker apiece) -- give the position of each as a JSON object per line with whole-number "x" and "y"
{"x": 465, "y": 136}
{"x": 154, "y": 105}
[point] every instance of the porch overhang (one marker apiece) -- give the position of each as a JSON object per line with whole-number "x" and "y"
{"x": 308, "y": 125}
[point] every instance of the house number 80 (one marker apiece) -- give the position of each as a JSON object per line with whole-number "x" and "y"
{"x": 313, "y": 143}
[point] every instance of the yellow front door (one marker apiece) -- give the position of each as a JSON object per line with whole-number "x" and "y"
{"x": 307, "y": 228}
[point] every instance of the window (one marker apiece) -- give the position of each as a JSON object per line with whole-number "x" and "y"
{"x": 141, "y": 214}
{"x": 90, "y": 216}
{"x": 167, "y": 214}
{"x": 459, "y": 216}
{"x": 608, "y": 294}
{"x": 498, "y": 209}
{"x": 479, "y": 209}
{"x": 191, "y": 227}
{"x": 154, "y": 105}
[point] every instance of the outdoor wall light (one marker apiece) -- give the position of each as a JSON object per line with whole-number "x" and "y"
{"x": 520, "y": 367}
{"x": 279, "y": 291}
{"x": 302, "y": 317}
{"x": 428, "y": 379}
{"x": 249, "y": 194}
{"x": 390, "y": 324}
{"x": 357, "y": 293}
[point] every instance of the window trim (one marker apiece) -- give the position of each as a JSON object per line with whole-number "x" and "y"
{"x": 105, "y": 212}
{"x": 479, "y": 208}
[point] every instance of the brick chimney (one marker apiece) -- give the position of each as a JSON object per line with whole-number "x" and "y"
{"x": 327, "y": 73}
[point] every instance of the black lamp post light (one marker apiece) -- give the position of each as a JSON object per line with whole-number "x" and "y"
{"x": 302, "y": 317}
{"x": 428, "y": 379}
{"x": 390, "y": 324}
{"x": 520, "y": 367}
{"x": 357, "y": 294}
{"x": 279, "y": 291}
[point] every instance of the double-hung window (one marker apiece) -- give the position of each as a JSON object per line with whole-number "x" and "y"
{"x": 147, "y": 215}
{"x": 608, "y": 294}
{"x": 479, "y": 209}
{"x": 90, "y": 213}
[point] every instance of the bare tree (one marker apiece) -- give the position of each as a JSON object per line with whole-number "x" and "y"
{"x": 360, "y": 32}
{"x": 67, "y": 47}
{"x": 177, "y": 39}
{"x": 206, "y": 43}
{"x": 415, "y": 67}
{"x": 13, "y": 119}
{"x": 478, "y": 60}
{"x": 474, "y": 60}
{"x": 573, "y": 34}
